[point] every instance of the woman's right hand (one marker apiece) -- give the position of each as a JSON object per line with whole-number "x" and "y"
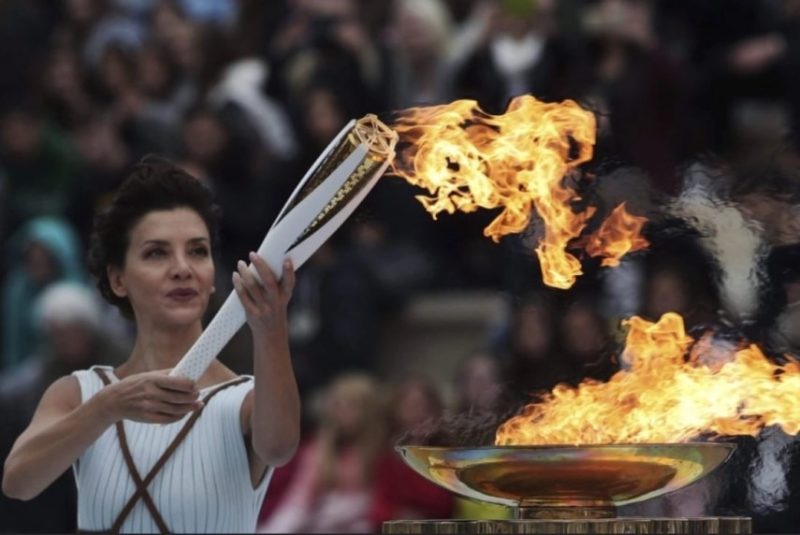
{"x": 150, "y": 397}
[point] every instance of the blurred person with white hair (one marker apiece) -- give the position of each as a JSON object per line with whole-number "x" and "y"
{"x": 69, "y": 321}
{"x": 69, "y": 324}
{"x": 421, "y": 34}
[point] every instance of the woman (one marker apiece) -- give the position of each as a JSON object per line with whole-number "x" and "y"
{"x": 333, "y": 486}
{"x": 399, "y": 491}
{"x": 207, "y": 466}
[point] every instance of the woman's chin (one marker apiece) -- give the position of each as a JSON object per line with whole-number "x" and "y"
{"x": 183, "y": 317}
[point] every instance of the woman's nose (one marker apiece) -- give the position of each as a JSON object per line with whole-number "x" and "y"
{"x": 180, "y": 267}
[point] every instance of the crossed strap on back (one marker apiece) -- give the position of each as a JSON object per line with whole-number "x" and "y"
{"x": 142, "y": 484}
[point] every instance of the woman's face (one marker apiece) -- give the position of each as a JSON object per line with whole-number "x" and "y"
{"x": 154, "y": 74}
{"x": 205, "y": 138}
{"x": 169, "y": 273}
{"x": 666, "y": 292}
{"x": 40, "y": 264}
{"x": 582, "y": 333}
{"x": 481, "y": 382}
{"x": 532, "y": 337}
{"x": 347, "y": 412}
{"x": 324, "y": 117}
{"x": 414, "y": 407}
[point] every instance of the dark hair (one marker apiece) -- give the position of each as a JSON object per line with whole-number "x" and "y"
{"x": 154, "y": 184}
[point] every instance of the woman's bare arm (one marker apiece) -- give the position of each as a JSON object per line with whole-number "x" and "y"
{"x": 62, "y": 427}
{"x": 271, "y": 411}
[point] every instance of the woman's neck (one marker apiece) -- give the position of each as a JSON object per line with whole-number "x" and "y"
{"x": 157, "y": 348}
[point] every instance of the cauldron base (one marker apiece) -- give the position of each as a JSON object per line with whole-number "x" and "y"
{"x": 678, "y": 526}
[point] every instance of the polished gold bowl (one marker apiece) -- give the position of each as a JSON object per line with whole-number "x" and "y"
{"x": 566, "y": 481}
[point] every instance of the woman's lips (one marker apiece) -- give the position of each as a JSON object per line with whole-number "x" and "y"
{"x": 183, "y": 294}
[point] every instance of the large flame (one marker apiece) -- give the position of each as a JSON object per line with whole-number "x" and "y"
{"x": 468, "y": 159}
{"x": 666, "y": 395}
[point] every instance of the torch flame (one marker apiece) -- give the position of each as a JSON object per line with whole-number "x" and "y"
{"x": 666, "y": 396}
{"x": 468, "y": 159}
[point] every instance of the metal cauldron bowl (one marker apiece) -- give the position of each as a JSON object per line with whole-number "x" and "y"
{"x": 566, "y": 481}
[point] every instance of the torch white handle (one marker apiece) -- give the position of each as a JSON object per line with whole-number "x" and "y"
{"x": 275, "y": 247}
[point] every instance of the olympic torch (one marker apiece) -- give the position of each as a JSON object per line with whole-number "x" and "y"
{"x": 326, "y": 196}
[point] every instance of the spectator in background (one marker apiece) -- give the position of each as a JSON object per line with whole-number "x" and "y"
{"x": 746, "y": 69}
{"x": 333, "y": 487}
{"x": 682, "y": 285}
{"x": 222, "y": 156}
{"x": 78, "y": 20}
{"x": 319, "y": 110}
{"x": 68, "y": 321}
{"x": 116, "y": 80}
{"x": 63, "y": 85}
{"x": 521, "y": 52}
{"x": 477, "y": 384}
{"x": 640, "y": 92}
{"x": 335, "y": 318}
{"x": 478, "y": 390}
{"x": 779, "y": 320}
{"x": 534, "y": 361}
{"x": 163, "y": 96}
{"x": 104, "y": 158}
{"x": 766, "y": 187}
{"x": 401, "y": 493}
{"x": 422, "y": 38}
{"x": 326, "y": 40}
{"x": 666, "y": 290}
{"x": 218, "y": 12}
{"x": 39, "y": 165}
{"x": 199, "y": 51}
{"x": 242, "y": 85}
{"x": 586, "y": 340}
{"x": 44, "y": 251}
{"x": 110, "y": 27}
{"x": 413, "y": 403}
{"x": 767, "y": 190}
{"x": 25, "y": 28}
{"x": 139, "y": 104}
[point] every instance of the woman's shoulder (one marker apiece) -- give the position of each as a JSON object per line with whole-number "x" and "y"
{"x": 64, "y": 392}
{"x": 222, "y": 376}
{"x": 89, "y": 382}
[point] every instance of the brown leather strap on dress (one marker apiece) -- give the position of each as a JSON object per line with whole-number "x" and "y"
{"x": 137, "y": 479}
{"x": 142, "y": 484}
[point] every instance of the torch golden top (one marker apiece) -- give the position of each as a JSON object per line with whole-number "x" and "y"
{"x": 379, "y": 139}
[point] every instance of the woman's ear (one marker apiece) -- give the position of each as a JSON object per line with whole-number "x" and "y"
{"x": 115, "y": 280}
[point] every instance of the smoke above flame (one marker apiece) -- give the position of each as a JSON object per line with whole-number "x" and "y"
{"x": 516, "y": 162}
{"x": 675, "y": 389}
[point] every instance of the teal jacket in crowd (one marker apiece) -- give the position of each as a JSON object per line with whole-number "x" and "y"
{"x": 19, "y": 290}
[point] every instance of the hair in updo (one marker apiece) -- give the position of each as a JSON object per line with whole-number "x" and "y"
{"x": 154, "y": 184}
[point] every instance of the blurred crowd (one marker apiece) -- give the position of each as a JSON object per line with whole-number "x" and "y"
{"x": 245, "y": 94}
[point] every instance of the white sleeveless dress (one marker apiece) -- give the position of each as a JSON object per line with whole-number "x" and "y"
{"x": 204, "y": 487}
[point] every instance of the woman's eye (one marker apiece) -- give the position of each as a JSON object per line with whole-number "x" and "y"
{"x": 155, "y": 253}
{"x": 200, "y": 251}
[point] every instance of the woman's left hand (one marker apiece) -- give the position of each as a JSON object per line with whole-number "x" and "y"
{"x": 264, "y": 302}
